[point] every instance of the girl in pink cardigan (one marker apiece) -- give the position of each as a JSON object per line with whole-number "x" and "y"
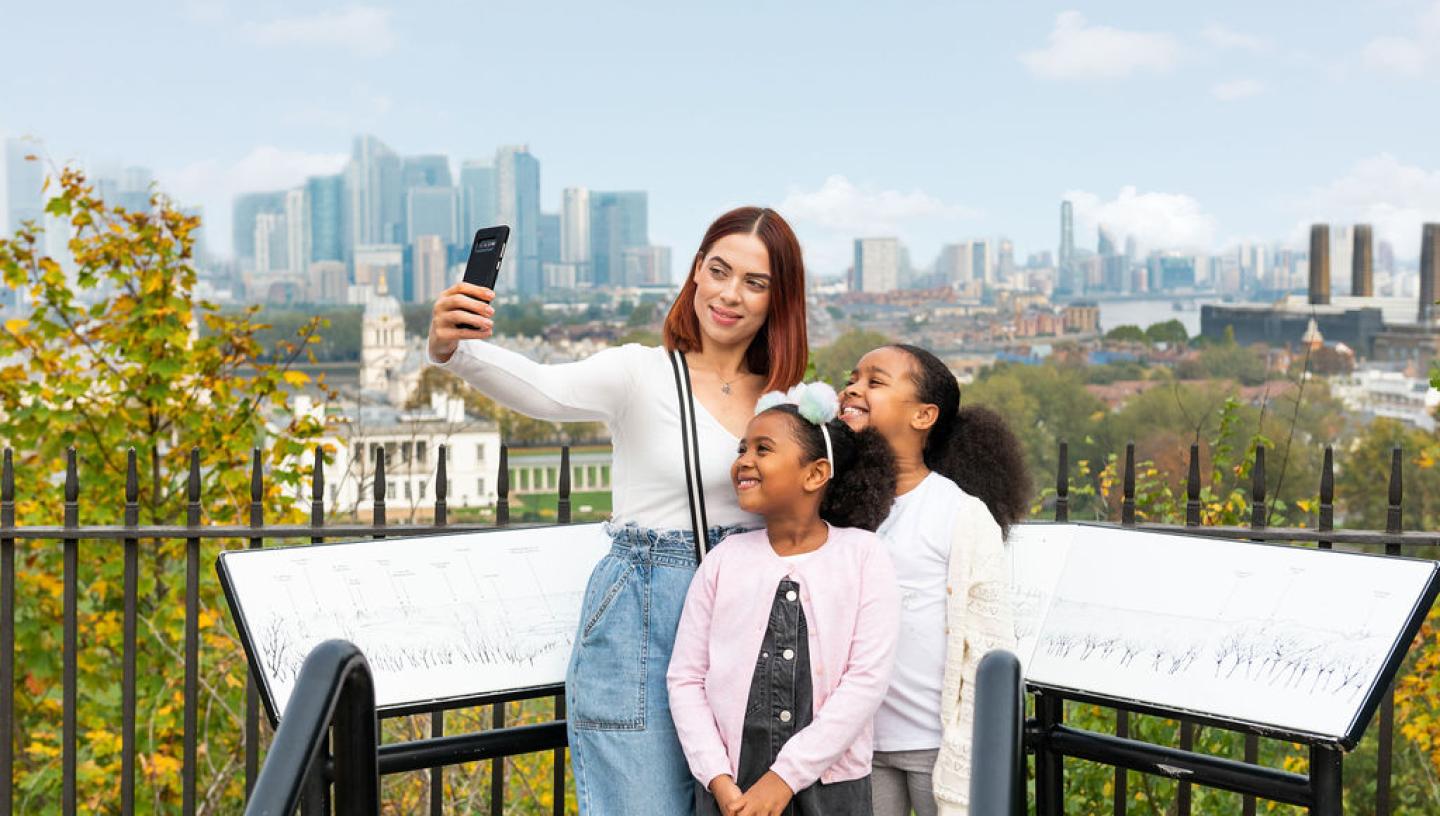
{"x": 788, "y": 633}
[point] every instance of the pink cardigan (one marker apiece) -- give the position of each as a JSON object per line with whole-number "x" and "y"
{"x": 852, "y": 612}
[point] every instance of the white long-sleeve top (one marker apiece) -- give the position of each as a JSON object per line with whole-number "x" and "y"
{"x": 632, "y": 390}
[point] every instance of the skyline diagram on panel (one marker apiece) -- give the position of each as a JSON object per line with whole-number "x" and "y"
{"x": 1267, "y": 635}
{"x": 1202, "y": 127}
{"x": 451, "y": 616}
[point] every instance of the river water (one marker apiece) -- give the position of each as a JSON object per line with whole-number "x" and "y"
{"x": 1144, "y": 313}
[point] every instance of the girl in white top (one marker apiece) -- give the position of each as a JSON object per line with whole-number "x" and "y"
{"x": 960, "y": 483}
{"x": 740, "y": 322}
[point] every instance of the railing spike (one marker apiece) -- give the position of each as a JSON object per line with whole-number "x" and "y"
{"x": 502, "y": 489}
{"x": 1062, "y": 483}
{"x": 442, "y": 488}
{"x": 1257, "y": 490}
{"x": 132, "y": 477}
{"x": 72, "y": 476}
{"x": 257, "y": 477}
{"x": 193, "y": 487}
{"x": 1326, "y": 520}
{"x": 1192, "y": 488}
{"x": 7, "y": 480}
{"x": 562, "y": 506}
{"x": 379, "y": 509}
{"x": 1397, "y": 493}
{"x": 1127, "y": 507}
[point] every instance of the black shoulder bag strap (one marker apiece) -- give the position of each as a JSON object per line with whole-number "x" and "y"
{"x": 690, "y": 444}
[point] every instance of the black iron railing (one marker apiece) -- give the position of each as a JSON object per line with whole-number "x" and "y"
{"x": 1241, "y": 776}
{"x": 104, "y": 540}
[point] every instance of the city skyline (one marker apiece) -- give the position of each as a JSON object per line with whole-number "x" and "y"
{"x": 1183, "y": 128}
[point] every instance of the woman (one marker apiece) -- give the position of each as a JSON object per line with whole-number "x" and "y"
{"x": 739, "y": 321}
{"x": 960, "y": 482}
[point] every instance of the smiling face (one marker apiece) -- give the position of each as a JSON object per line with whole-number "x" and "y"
{"x": 881, "y": 394}
{"x": 732, "y": 289}
{"x": 770, "y": 472}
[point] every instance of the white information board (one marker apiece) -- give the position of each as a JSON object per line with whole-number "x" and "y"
{"x": 438, "y": 618}
{"x": 1287, "y": 638}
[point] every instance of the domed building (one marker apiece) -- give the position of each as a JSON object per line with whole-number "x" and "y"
{"x": 389, "y": 363}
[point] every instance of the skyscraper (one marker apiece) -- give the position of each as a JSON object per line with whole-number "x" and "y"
{"x": 272, "y": 245}
{"x": 1319, "y": 263}
{"x": 618, "y": 221}
{"x": 430, "y": 262}
{"x": 432, "y": 211}
{"x": 24, "y": 179}
{"x": 297, "y": 232}
{"x": 877, "y": 265}
{"x": 23, "y": 201}
{"x": 549, "y": 238}
{"x": 477, "y": 198}
{"x": 325, "y": 198}
{"x": 954, "y": 264}
{"x": 375, "y": 194}
{"x": 982, "y": 262}
{"x": 426, "y": 171}
{"x": 575, "y": 229}
{"x": 1067, "y": 280}
{"x": 1342, "y": 245}
{"x": 1429, "y": 271}
{"x": 647, "y": 266}
{"x": 517, "y": 203}
{"x": 134, "y": 190}
{"x": 248, "y": 207}
{"x": 1362, "y": 263}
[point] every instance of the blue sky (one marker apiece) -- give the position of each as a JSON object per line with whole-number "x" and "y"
{"x": 1188, "y": 125}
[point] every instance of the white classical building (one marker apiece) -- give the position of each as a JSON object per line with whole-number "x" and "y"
{"x": 411, "y": 440}
{"x": 1392, "y": 394}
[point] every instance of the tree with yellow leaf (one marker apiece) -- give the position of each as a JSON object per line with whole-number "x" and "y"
{"x": 113, "y": 350}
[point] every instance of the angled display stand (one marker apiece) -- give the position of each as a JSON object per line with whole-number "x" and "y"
{"x": 444, "y": 621}
{"x": 1281, "y": 641}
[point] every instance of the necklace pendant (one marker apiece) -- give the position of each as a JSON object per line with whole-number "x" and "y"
{"x": 725, "y": 389}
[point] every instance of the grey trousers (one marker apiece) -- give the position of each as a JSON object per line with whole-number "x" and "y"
{"x": 902, "y": 781}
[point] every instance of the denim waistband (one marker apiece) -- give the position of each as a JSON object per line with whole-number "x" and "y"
{"x": 673, "y": 546}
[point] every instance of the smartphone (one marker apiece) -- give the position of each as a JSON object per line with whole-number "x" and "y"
{"x": 483, "y": 268}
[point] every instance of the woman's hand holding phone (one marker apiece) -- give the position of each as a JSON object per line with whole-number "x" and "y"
{"x": 463, "y": 312}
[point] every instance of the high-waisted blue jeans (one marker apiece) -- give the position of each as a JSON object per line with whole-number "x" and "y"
{"x": 624, "y": 751}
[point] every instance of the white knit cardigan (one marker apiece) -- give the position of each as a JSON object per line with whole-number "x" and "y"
{"x": 979, "y": 617}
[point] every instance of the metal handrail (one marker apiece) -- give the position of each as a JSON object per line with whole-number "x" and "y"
{"x": 997, "y": 759}
{"x": 335, "y": 688}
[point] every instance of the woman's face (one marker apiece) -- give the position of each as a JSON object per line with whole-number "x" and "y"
{"x": 881, "y": 394}
{"x": 769, "y": 472}
{"x": 732, "y": 289}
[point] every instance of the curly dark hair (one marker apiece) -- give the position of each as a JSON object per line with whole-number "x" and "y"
{"x": 863, "y": 485}
{"x": 972, "y": 446}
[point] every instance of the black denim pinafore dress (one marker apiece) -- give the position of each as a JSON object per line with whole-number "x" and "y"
{"x": 781, "y": 703}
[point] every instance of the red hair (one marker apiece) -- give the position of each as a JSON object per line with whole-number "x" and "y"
{"x": 780, "y": 349}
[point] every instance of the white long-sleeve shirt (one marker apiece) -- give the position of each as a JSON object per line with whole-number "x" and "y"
{"x": 632, "y": 390}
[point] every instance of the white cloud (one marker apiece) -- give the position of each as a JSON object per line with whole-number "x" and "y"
{"x": 1226, "y": 38}
{"x": 213, "y": 184}
{"x": 1155, "y": 220}
{"x": 363, "y": 30}
{"x": 1380, "y": 190}
{"x": 1395, "y": 55}
{"x": 1411, "y": 55}
{"x": 1079, "y": 51}
{"x": 1237, "y": 89}
{"x": 830, "y": 218}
